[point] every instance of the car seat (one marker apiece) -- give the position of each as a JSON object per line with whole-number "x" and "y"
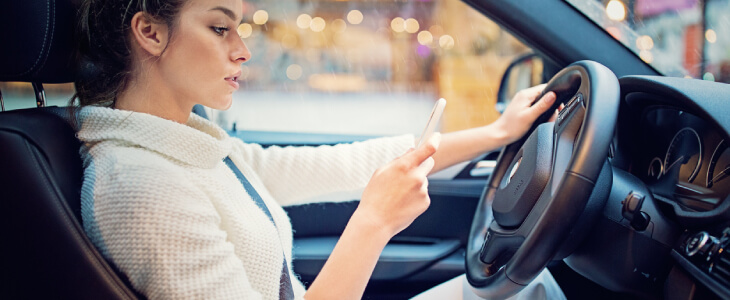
{"x": 45, "y": 252}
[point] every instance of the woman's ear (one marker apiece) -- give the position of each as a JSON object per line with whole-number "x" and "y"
{"x": 151, "y": 36}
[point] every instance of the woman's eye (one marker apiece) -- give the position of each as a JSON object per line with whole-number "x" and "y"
{"x": 220, "y": 30}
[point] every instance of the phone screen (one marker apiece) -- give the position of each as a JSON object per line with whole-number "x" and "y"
{"x": 433, "y": 120}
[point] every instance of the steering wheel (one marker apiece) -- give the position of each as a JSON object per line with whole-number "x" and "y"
{"x": 542, "y": 182}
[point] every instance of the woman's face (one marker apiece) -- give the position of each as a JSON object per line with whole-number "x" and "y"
{"x": 202, "y": 62}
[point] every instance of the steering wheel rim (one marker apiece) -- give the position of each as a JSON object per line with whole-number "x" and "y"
{"x": 521, "y": 237}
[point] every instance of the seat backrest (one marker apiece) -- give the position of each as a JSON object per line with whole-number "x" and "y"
{"x": 45, "y": 252}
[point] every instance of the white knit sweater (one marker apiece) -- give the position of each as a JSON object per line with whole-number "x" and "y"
{"x": 158, "y": 201}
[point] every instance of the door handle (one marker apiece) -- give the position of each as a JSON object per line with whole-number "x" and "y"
{"x": 483, "y": 168}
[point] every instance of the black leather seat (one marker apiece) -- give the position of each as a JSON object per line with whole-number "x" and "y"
{"x": 45, "y": 252}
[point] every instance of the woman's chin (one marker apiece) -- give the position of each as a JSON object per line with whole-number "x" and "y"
{"x": 223, "y": 104}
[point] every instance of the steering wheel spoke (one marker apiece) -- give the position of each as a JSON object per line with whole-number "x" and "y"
{"x": 500, "y": 244}
{"x": 566, "y": 129}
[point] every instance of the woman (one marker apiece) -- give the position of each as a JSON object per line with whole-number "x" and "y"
{"x": 160, "y": 203}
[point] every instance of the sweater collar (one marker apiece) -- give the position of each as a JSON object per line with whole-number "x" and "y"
{"x": 199, "y": 142}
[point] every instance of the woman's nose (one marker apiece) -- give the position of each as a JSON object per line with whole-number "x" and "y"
{"x": 240, "y": 54}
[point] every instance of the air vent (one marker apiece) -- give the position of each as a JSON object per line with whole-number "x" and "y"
{"x": 720, "y": 270}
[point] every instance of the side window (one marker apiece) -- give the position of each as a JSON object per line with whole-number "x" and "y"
{"x": 367, "y": 68}
{"x": 357, "y": 68}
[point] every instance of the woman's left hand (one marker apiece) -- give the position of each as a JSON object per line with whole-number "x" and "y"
{"x": 521, "y": 113}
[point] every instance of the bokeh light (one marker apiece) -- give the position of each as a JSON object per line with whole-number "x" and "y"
{"x": 318, "y": 24}
{"x": 644, "y": 42}
{"x": 260, "y": 17}
{"x": 411, "y": 25}
{"x": 614, "y": 32}
{"x": 244, "y": 30}
{"x": 616, "y": 10}
{"x": 398, "y": 24}
{"x": 711, "y": 36}
{"x": 446, "y": 41}
{"x": 646, "y": 56}
{"x": 425, "y": 38}
{"x": 708, "y": 76}
{"x": 303, "y": 21}
{"x": 339, "y": 25}
{"x": 354, "y": 17}
{"x": 436, "y": 30}
{"x": 294, "y": 72}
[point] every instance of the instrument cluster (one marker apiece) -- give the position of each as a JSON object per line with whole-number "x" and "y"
{"x": 683, "y": 159}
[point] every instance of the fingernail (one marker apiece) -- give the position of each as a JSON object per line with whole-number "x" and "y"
{"x": 550, "y": 97}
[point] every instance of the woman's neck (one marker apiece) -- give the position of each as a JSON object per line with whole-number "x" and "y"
{"x": 149, "y": 94}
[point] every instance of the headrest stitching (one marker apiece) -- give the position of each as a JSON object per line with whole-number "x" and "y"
{"x": 52, "y": 25}
{"x": 45, "y": 38}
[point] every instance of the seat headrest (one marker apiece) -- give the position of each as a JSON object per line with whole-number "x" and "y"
{"x": 37, "y": 39}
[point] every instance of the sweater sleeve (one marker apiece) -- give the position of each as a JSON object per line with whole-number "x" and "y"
{"x": 162, "y": 234}
{"x": 296, "y": 175}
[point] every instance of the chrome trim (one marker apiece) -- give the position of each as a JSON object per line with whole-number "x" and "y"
{"x": 661, "y": 168}
{"x": 514, "y": 170}
{"x": 711, "y": 167}
{"x": 667, "y": 166}
{"x": 703, "y": 238}
{"x": 40, "y": 94}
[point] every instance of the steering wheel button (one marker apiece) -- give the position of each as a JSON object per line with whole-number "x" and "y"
{"x": 569, "y": 107}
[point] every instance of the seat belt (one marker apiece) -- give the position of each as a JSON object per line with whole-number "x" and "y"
{"x": 286, "y": 291}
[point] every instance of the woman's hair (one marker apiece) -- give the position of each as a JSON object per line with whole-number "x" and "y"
{"x": 105, "y": 44}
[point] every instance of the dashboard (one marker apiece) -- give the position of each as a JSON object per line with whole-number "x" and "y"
{"x": 683, "y": 159}
{"x": 665, "y": 226}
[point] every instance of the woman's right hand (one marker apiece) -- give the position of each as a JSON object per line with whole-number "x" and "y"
{"x": 398, "y": 192}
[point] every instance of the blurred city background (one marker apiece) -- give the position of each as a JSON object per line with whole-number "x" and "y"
{"x": 375, "y": 67}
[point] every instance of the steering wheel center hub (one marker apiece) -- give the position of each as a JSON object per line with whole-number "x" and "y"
{"x": 531, "y": 169}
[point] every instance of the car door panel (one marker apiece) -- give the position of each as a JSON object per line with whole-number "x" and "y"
{"x": 435, "y": 235}
{"x": 401, "y": 258}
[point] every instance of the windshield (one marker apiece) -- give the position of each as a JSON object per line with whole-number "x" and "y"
{"x": 679, "y": 38}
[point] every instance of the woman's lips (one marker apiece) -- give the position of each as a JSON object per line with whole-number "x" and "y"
{"x": 233, "y": 80}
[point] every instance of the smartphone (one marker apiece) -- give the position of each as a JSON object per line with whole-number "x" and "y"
{"x": 433, "y": 120}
